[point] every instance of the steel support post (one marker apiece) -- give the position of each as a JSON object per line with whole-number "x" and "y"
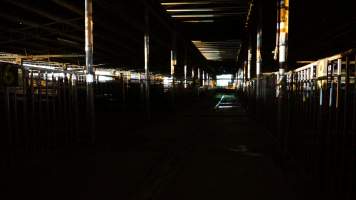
{"x": 89, "y": 40}
{"x": 89, "y": 67}
{"x": 147, "y": 55}
{"x": 282, "y": 34}
{"x": 258, "y": 50}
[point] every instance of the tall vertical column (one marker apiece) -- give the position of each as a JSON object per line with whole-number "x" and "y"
{"x": 89, "y": 39}
{"x": 185, "y": 72}
{"x": 173, "y": 62}
{"x": 146, "y": 46}
{"x": 276, "y": 49}
{"x": 173, "y": 56}
{"x": 259, "y": 48}
{"x": 259, "y": 45}
{"x": 249, "y": 62}
{"x": 147, "y": 57}
{"x": 90, "y": 115}
{"x": 185, "y": 67}
{"x": 283, "y": 36}
{"x": 245, "y": 72}
{"x": 282, "y": 33}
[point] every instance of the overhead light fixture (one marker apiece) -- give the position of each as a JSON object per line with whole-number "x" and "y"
{"x": 207, "y": 15}
{"x": 193, "y": 16}
{"x": 196, "y": 2}
{"x": 191, "y": 10}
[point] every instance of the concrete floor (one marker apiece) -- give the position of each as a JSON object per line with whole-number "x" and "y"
{"x": 198, "y": 153}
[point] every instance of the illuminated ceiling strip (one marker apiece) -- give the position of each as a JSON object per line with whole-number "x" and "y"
{"x": 199, "y": 21}
{"x": 191, "y": 10}
{"x": 14, "y": 56}
{"x": 207, "y": 15}
{"x": 194, "y": 3}
{"x": 241, "y": 9}
{"x": 218, "y": 51}
{"x": 191, "y": 16}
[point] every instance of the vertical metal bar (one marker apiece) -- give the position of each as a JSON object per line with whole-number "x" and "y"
{"x": 283, "y": 32}
{"x": 339, "y": 64}
{"x": 89, "y": 38}
{"x": 347, "y": 148}
{"x": 259, "y": 48}
{"x": 76, "y": 109}
{"x": 33, "y": 116}
{"x": 249, "y": 62}
{"x": 172, "y": 63}
{"x": 193, "y": 74}
{"x": 123, "y": 92}
{"x": 245, "y": 72}
{"x": 147, "y": 54}
{"x": 8, "y": 115}
{"x": 48, "y": 118}
{"x": 15, "y": 122}
{"x": 146, "y": 46}
{"x": 345, "y": 137}
{"x": 330, "y": 84}
{"x": 89, "y": 66}
{"x": 173, "y": 56}
{"x": 281, "y": 82}
{"x": 24, "y": 98}
{"x": 199, "y": 75}
{"x": 40, "y": 112}
{"x": 54, "y": 108}
{"x": 65, "y": 109}
{"x": 354, "y": 102}
{"x": 347, "y": 91}
{"x": 353, "y": 142}
{"x": 185, "y": 67}
{"x": 276, "y": 51}
{"x": 91, "y": 112}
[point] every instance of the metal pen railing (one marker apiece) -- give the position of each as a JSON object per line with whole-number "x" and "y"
{"x": 314, "y": 123}
{"x": 44, "y": 112}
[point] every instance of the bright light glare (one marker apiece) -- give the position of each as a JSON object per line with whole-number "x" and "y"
{"x": 90, "y": 78}
{"x": 223, "y": 80}
{"x": 40, "y": 66}
{"x": 167, "y": 81}
{"x": 103, "y": 79}
{"x": 135, "y": 76}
